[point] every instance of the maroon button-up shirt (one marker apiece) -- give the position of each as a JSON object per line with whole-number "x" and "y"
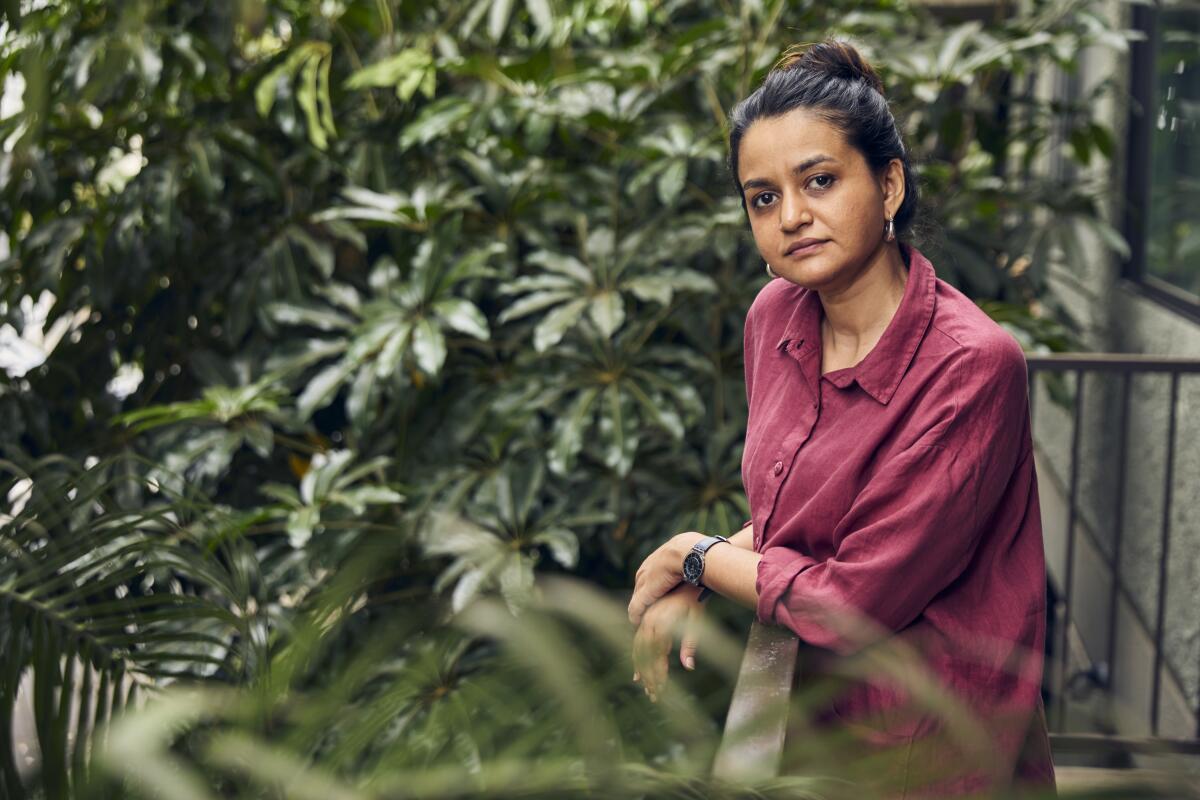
{"x": 903, "y": 489}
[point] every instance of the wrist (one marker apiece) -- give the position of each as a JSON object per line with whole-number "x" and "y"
{"x": 683, "y": 544}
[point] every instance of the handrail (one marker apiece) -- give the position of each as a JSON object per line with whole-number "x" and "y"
{"x": 1112, "y": 362}
{"x": 756, "y": 725}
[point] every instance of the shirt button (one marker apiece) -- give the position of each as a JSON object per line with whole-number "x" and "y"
{"x": 778, "y": 468}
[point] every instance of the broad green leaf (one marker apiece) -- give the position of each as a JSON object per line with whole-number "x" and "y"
{"x": 358, "y": 400}
{"x": 528, "y": 283}
{"x": 542, "y": 16}
{"x": 651, "y": 288}
{"x": 300, "y": 525}
{"x": 393, "y": 350}
{"x": 306, "y": 97}
{"x": 429, "y": 347}
{"x": 264, "y": 93}
{"x": 321, "y": 318}
{"x": 568, "y": 434}
{"x": 324, "y": 101}
{"x": 320, "y": 390}
{"x": 562, "y": 264}
{"x": 498, "y": 18}
{"x": 326, "y": 468}
{"x": 618, "y": 431}
{"x": 516, "y": 580}
{"x": 259, "y": 436}
{"x": 671, "y": 181}
{"x": 953, "y": 44}
{"x": 462, "y": 316}
{"x": 607, "y": 310}
{"x": 531, "y": 303}
{"x": 554, "y": 325}
{"x": 408, "y": 71}
{"x": 436, "y": 119}
{"x": 563, "y": 545}
{"x": 319, "y": 253}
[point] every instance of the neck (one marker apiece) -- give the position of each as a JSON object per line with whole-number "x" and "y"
{"x": 859, "y": 312}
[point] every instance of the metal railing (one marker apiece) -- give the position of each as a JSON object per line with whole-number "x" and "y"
{"x": 753, "y": 739}
{"x": 1127, "y": 366}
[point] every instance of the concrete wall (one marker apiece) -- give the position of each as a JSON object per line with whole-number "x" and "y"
{"x": 1114, "y": 317}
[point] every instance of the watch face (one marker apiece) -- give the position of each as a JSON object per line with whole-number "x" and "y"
{"x": 693, "y": 567}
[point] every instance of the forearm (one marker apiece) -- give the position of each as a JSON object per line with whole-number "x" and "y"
{"x": 743, "y": 538}
{"x": 733, "y": 571}
{"x": 729, "y": 571}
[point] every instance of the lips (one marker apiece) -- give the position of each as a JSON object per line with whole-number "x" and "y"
{"x": 804, "y": 246}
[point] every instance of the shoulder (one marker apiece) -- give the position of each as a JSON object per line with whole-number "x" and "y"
{"x": 988, "y": 366}
{"x": 774, "y": 303}
{"x": 775, "y": 295}
{"x": 983, "y": 352}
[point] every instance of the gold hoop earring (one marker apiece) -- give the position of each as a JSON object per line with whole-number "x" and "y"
{"x": 889, "y": 231}
{"x": 770, "y": 271}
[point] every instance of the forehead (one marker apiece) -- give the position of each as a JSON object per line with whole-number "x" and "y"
{"x": 772, "y": 145}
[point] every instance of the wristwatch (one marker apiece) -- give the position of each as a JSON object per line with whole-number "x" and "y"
{"x": 693, "y": 562}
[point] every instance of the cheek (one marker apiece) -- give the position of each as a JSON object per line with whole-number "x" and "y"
{"x": 854, "y": 219}
{"x": 763, "y": 235}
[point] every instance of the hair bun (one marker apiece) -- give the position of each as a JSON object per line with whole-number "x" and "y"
{"x": 832, "y": 57}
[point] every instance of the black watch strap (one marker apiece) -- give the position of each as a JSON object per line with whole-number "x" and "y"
{"x": 702, "y": 546}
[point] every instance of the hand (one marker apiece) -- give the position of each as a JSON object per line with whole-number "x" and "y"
{"x": 661, "y": 572}
{"x": 676, "y": 615}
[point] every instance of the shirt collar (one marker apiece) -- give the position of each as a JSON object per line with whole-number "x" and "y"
{"x": 880, "y": 372}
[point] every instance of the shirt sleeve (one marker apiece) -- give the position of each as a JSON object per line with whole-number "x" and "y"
{"x": 915, "y": 525}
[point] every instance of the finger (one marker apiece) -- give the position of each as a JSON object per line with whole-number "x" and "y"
{"x": 636, "y": 608}
{"x": 641, "y": 657}
{"x": 636, "y": 654}
{"x": 641, "y": 660}
{"x": 642, "y": 599}
{"x": 655, "y": 644}
{"x": 691, "y": 639}
{"x": 647, "y": 594}
{"x": 661, "y": 659}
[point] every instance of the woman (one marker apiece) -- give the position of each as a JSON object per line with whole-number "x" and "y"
{"x": 888, "y": 458}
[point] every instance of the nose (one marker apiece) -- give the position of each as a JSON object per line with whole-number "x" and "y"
{"x": 793, "y": 212}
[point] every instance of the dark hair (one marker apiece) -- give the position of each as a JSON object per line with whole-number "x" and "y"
{"x": 837, "y": 83}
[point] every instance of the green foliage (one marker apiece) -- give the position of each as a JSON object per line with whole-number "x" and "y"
{"x": 462, "y": 282}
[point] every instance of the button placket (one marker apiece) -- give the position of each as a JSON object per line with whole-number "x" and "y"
{"x": 778, "y": 471}
{"x": 791, "y": 444}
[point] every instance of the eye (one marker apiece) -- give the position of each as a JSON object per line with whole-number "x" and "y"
{"x": 829, "y": 179}
{"x": 754, "y": 202}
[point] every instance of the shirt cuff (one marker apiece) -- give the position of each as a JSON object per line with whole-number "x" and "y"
{"x": 777, "y": 568}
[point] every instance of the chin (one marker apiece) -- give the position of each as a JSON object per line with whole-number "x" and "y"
{"x": 810, "y": 273}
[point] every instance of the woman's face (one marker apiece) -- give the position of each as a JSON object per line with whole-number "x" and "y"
{"x": 802, "y": 180}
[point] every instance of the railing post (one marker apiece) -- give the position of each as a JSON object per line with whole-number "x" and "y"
{"x": 1069, "y": 578}
{"x": 1164, "y": 554}
{"x": 1118, "y": 531}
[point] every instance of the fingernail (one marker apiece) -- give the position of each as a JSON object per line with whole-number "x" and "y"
{"x": 691, "y": 663}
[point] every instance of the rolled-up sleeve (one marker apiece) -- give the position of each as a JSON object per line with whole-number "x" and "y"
{"x": 916, "y": 523}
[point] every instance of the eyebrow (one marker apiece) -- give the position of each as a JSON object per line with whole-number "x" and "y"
{"x": 808, "y": 163}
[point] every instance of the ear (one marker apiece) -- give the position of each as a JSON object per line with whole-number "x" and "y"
{"x": 891, "y": 182}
